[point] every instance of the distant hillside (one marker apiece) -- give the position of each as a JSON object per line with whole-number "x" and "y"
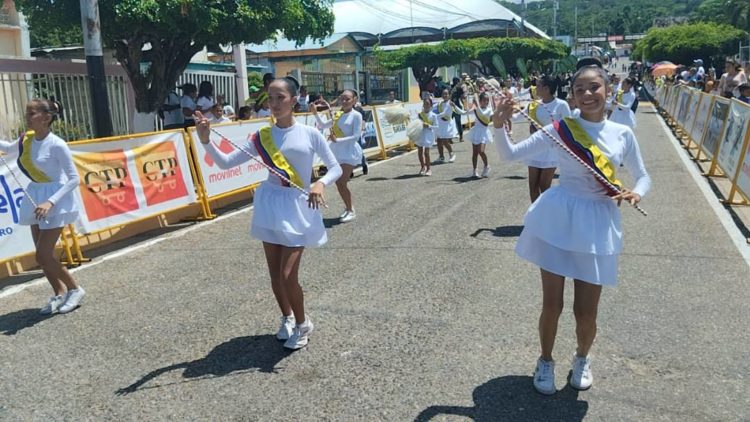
{"x": 602, "y": 16}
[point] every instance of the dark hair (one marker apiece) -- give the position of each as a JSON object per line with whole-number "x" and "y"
{"x": 51, "y": 107}
{"x": 244, "y": 113}
{"x": 301, "y": 87}
{"x": 290, "y": 84}
{"x": 427, "y": 99}
{"x": 268, "y": 77}
{"x": 188, "y": 88}
{"x": 629, "y": 81}
{"x": 353, "y": 92}
{"x": 206, "y": 89}
{"x": 549, "y": 82}
{"x": 483, "y": 96}
{"x": 593, "y": 68}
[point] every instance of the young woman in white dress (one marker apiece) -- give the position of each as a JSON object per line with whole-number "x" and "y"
{"x": 543, "y": 112}
{"x": 622, "y": 102}
{"x": 345, "y": 133}
{"x": 446, "y": 130}
{"x": 426, "y": 137}
{"x": 46, "y": 159}
{"x": 284, "y": 219}
{"x": 573, "y": 229}
{"x": 480, "y": 135}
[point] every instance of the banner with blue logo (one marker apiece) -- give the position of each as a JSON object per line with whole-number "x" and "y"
{"x": 15, "y": 239}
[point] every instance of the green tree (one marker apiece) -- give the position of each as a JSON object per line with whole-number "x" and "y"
{"x": 155, "y": 40}
{"x": 683, "y": 43}
{"x": 424, "y": 60}
{"x": 536, "y": 50}
{"x": 731, "y": 12}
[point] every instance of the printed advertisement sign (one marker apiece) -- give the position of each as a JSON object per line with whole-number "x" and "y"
{"x": 131, "y": 178}
{"x": 701, "y": 117}
{"x": 393, "y": 135}
{"x": 217, "y": 180}
{"x": 734, "y": 137}
{"x": 683, "y": 106}
{"x": 719, "y": 112}
{"x": 15, "y": 239}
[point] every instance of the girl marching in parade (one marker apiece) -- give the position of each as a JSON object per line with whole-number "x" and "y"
{"x": 426, "y": 137}
{"x": 284, "y": 219}
{"x": 480, "y": 135}
{"x": 446, "y": 130}
{"x": 622, "y": 104}
{"x": 542, "y": 166}
{"x": 49, "y": 203}
{"x": 573, "y": 229}
{"x": 346, "y": 131}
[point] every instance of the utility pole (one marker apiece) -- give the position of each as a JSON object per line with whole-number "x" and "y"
{"x": 92, "y": 43}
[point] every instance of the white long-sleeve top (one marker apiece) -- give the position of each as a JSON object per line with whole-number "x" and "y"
{"x": 52, "y": 156}
{"x": 346, "y": 148}
{"x": 554, "y": 110}
{"x": 446, "y": 125}
{"x": 621, "y": 110}
{"x": 298, "y": 143}
{"x": 616, "y": 141}
{"x": 427, "y": 136}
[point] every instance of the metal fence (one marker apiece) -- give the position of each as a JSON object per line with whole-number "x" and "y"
{"x": 329, "y": 85}
{"x": 223, "y": 82}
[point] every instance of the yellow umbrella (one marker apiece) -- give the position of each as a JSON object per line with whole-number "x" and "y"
{"x": 664, "y": 69}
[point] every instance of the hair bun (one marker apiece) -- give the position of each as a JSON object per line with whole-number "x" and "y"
{"x": 293, "y": 80}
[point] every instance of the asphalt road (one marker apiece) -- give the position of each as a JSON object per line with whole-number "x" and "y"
{"x": 422, "y": 312}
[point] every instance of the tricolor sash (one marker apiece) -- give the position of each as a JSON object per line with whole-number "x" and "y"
{"x": 481, "y": 118}
{"x": 578, "y": 141}
{"x": 267, "y": 150}
{"x": 26, "y": 162}
{"x": 424, "y": 117}
{"x": 441, "y": 107}
{"x": 336, "y": 129}
{"x": 619, "y": 96}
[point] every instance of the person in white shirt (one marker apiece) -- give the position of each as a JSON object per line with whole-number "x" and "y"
{"x": 427, "y": 137}
{"x": 49, "y": 201}
{"x": 573, "y": 229}
{"x": 345, "y": 132}
{"x": 284, "y": 219}
{"x": 392, "y": 98}
{"x": 187, "y": 103}
{"x": 700, "y": 71}
{"x": 622, "y": 104}
{"x": 171, "y": 112}
{"x": 206, "y": 99}
{"x": 303, "y": 100}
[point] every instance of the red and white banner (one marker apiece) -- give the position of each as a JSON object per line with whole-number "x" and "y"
{"x": 15, "y": 240}
{"x": 131, "y": 178}
{"x": 219, "y": 181}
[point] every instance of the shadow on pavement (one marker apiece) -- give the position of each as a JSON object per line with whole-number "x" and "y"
{"x": 258, "y": 353}
{"x": 502, "y": 231}
{"x": 515, "y": 177}
{"x": 331, "y": 222}
{"x": 377, "y": 179}
{"x": 14, "y": 322}
{"x": 512, "y": 398}
{"x": 408, "y": 176}
{"x": 465, "y": 179}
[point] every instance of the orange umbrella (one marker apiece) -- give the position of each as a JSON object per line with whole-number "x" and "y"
{"x": 664, "y": 69}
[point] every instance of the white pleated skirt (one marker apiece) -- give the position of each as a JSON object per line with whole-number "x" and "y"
{"x": 63, "y": 213}
{"x": 282, "y": 217}
{"x": 624, "y": 117}
{"x": 347, "y": 152}
{"x": 574, "y": 235}
{"x": 446, "y": 129}
{"x": 480, "y": 134}
{"x": 544, "y": 160}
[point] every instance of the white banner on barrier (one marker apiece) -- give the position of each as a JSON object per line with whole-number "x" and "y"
{"x": 719, "y": 111}
{"x": 734, "y": 136}
{"x": 219, "y": 181}
{"x": 701, "y": 117}
{"x": 393, "y": 135}
{"x": 133, "y": 178}
{"x": 15, "y": 239}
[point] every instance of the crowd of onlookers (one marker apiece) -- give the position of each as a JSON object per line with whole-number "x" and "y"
{"x": 731, "y": 83}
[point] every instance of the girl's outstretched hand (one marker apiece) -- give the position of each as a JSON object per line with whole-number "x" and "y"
{"x": 627, "y": 195}
{"x": 315, "y": 199}
{"x": 202, "y": 126}
{"x": 503, "y": 106}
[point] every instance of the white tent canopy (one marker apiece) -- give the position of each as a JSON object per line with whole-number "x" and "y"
{"x": 383, "y": 19}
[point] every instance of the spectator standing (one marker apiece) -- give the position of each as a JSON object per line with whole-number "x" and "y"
{"x": 171, "y": 112}
{"x": 187, "y": 102}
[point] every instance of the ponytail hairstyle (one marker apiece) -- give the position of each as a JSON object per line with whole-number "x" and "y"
{"x": 51, "y": 107}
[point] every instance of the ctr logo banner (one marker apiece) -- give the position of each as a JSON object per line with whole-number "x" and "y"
{"x": 15, "y": 239}
{"x": 130, "y": 179}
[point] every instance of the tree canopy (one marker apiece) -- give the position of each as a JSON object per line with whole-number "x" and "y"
{"x": 155, "y": 40}
{"x": 730, "y": 12}
{"x": 685, "y": 43}
{"x": 425, "y": 59}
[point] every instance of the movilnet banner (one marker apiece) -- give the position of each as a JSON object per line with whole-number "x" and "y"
{"x": 129, "y": 179}
{"x": 733, "y": 140}
{"x": 15, "y": 239}
{"x": 218, "y": 181}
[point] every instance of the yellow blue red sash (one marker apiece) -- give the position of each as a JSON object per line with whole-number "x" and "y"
{"x": 423, "y": 117}
{"x": 481, "y": 118}
{"x": 267, "y": 150}
{"x": 441, "y": 107}
{"x": 619, "y": 96}
{"x": 578, "y": 141}
{"x": 336, "y": 128}
{"x": 26, "y": 162}
{"x": 533, "y": 108}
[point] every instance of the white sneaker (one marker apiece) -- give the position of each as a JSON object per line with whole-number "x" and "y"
{"x": 486, "y": 171}
{"x": 72, "y": 300}
{"x": 544, "y": 377}
{"x": 286, "y": 327}
{"x": 581, "y": 377}
{"x": 452, "y": 158}
{"x": 350, "y": 216}
{"x": 474, "y": 174}
{"x": 343, "y": 214}
{"x": 421, "y": 171}
{"x": 428, "y": 173}
{"x": 300, "y": 335}
{"x": 53, "y": 305}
